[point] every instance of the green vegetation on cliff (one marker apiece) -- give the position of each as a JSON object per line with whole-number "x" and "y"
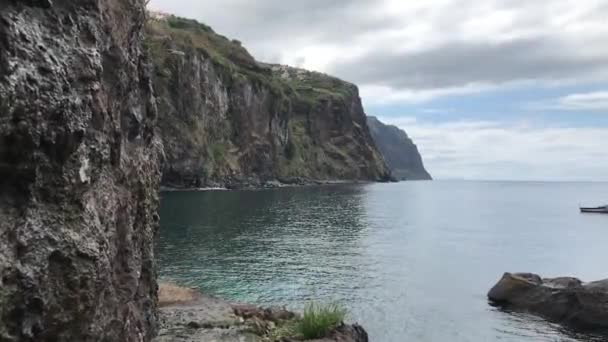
{"x": 227, "y": 119}
{"x": 237, "y": 62}
{"x": 165, "y": 35}
{"x": 314, "y": 86}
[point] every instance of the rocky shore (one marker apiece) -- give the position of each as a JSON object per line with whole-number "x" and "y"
{"x": 565, "y": 300}
{"x": 187, "y": 315}
{"x": 263, "y": 185}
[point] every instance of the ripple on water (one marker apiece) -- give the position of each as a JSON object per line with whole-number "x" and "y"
{"x": 412, "y": 261}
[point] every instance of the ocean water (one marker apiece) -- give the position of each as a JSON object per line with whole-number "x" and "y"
{"x": 412, "y": 261}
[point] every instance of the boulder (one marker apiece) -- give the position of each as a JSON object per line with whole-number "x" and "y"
{"x": 563, "y": 300}
{"x": 273, "y": 314}
{"x": 346, "y": 333}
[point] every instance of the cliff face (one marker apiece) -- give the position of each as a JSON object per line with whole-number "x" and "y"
{"x": 400, "y": 153}
{"x": 78, "y": 172}
{"x": 228, "y": 120}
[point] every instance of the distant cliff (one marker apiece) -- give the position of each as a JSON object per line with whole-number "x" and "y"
{"x": 228, "y": 120}
{"x": 400, "y": 153}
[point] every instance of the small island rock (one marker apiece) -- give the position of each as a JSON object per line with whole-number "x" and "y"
{"x": 564, "y": 300}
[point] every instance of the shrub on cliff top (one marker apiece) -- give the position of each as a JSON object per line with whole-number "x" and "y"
{"x": 319, "y": 320}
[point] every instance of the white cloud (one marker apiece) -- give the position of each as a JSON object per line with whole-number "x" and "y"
{"x": 519, "y": 151}
{"x": 585, "y": 101}
{"x": 590, "y": 102}
{"x": 384, "y": 95}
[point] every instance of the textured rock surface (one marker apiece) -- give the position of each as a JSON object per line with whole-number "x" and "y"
{"x": 78, "y": 172}
{"x": 399, "y": 151}
{"x": 564, "y": 300}
{"x": 226, "y": 119}
{"x": 199, "y": 318}
{"x": 347, "y": 333}
{"x": 188, "y": 316}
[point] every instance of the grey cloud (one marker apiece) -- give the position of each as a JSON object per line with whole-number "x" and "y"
{"x": 280, "y": 20}
{"x": 456, "y": 64}
{"x": 272, "y": 29}
{"x": 269, "y": 27}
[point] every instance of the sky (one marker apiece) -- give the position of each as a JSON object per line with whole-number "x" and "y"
{"x": 487, "y": 89}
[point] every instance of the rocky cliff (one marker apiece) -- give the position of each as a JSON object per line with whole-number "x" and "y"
{"x": 227, "y": 120}
{"x": 400, "y": 152}
{"x": 78, "y": 172}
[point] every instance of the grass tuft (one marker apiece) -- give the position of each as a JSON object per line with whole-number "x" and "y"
{"x": 319, "y": 320}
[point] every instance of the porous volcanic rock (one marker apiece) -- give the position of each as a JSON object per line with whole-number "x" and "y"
{"x": 79, "y": 172}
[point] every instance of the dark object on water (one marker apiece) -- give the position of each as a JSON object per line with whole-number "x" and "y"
{"x": 600, "y": 210}
{"x": 565, "y": 300}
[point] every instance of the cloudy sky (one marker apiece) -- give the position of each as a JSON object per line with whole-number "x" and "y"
{"x": 492, "y": 89}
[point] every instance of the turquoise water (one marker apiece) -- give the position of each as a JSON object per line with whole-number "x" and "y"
{"x": 412, "y": 261}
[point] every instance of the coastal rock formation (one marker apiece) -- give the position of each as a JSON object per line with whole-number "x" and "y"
{"x": 399, "y": 151}
{"x": 78, "y": 172}
{"x": 228, "y": 120}
{"x": 187, "y": 315}
{"x": 563, "y": 300}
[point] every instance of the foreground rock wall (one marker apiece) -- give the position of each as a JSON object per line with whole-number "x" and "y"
{"x": 228, "y": 120}
{"x": 78, "y": 172}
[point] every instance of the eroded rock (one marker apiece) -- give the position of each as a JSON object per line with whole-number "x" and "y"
{"x": 205, "y": 318}
{"x": 564, "y": 300}
{"x": 78, "y": 172}
{"x": 347, "y": 333}
{"x": 273, "y": 314}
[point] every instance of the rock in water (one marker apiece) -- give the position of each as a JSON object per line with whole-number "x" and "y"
{"x": 78, "y": 172}
{"x": 563, "y": 300}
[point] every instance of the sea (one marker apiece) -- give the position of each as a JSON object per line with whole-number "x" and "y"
{"x": 411, "y": 261}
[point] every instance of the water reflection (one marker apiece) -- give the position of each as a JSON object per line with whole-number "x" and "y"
{"x": 412, "y": 261}
{"x": 293, "y": 242}
{"x": 524, "y": 326}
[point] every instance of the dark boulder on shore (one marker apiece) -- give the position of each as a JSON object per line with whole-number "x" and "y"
{"x": 563, "y": 300}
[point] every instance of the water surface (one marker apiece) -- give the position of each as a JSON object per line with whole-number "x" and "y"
{"x": 412, "y": 261}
